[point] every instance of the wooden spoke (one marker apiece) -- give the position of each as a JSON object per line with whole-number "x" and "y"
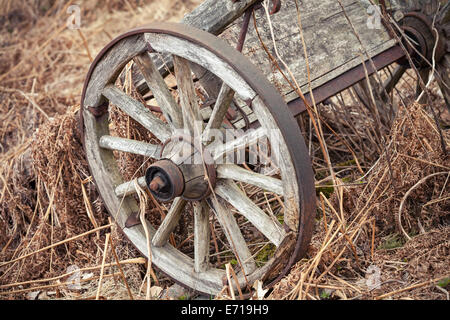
{"x": 137, "y": 111}
{"x": 188, "y": 99}
{"x": 131, "y": 146}
{"x": 234, "y": 172}
{"x": 169, "y": 223}
{"x": 201, "y": 236}
{"x": 272, "y": 229}
{"x": 219, "y": 150}
{"x": 234, "y": 235}
{"x": 128, "y": 188}
{"x": 160, "y": 91}
{"x": 221, "y": 106}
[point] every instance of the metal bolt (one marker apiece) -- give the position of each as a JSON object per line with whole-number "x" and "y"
{"x": 156, "y": 184}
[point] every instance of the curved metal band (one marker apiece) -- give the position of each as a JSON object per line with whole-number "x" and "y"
{"x": 271, "y": 98}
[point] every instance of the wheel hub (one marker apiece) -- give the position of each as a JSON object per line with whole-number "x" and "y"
{"x": 189, "y": 175}
{"x": 164, "y": 180}
{"x": 419, "y": 28}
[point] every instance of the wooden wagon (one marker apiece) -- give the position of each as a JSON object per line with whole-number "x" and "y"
{"x": 222, "y": 122}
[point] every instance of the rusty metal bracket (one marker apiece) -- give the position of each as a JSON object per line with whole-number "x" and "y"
{"x": 132, "y": 220}
{"x": 100, "y": 110}
{"x": 347, "y": 79}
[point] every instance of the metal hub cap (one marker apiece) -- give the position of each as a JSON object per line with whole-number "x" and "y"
{"x": 164, "y": 180}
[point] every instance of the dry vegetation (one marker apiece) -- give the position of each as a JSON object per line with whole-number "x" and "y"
{"x": 387, "y": 206}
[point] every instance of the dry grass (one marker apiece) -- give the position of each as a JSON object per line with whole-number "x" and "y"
{"x": 43, "y": 65}
{"x": 45, "y": 230}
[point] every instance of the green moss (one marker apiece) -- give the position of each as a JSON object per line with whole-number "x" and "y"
{"x": 324, "y": 295}
{"x": 327, "y": 191}
{"x": 444, "y": 283}
{"x": 265, "y": 254}
{"x": 346, "y": 163}
{"x": 391, "y": 242}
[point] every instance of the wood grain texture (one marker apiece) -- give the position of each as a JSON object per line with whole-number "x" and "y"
{"x": 160, "y": 91}
{"x": 201, "y": 236}
{"x": 131, "y": 146}
{"x": 188, "y": 99}
{"x": 204, "y": 58}
{"x": 169, "y": 223}
{"x": 233, "y": 234}
{"x": 236, "y": 173}
{"x": 138, "y": 112}
{"x": 331, "y": 45}
{"x": 127, "y": 188}
{"x": 232, "y": 148}
{"x": 282, "y": 159}
{"x": 214, "y": 15}
{"x": 270, "y": 228}
{"x": 109, "y": 67}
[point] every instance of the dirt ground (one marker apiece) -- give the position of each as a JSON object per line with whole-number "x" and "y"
{"x": 382, "y": 233}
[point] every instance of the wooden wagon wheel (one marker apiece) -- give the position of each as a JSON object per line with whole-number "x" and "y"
{"x": 214, "y": 189}
{"x": 418, "y": 23}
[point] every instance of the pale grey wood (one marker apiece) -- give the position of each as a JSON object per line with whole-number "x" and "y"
{"x": 221, "y": 106}
{"x": 281, "y": 159}
{"x": 127, "y": 188}
{"x": 106, "y": 173}
{"x": 138, "y": 112}
{"x": 331, "y": 45}
{"x": 131, "y": 146}
{"x": 201, "y": 236}
{"x": 104, "y": 168}
{"x": 160, "y": 91}
{"x": 214, "y": 15}
{"x": 269, "y": 227}
{"x": 234, "y": 172}
{"x": 234, "y": 235}
{"x": 169, "y": 223}
{"x": 192, "y": 118}
{"x": 190, "y": 51}
{"x": 219, "y": 150}
{"x": 109, "y": 67}
{"x": 176, "y": 264}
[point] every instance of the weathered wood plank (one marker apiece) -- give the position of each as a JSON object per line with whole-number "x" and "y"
{"x": 160, "y": 91}
{"x": 165, "y": 43}
{"x": 219, "y": 150}
{"x": 214, "y": 15}
{"x": 201, "y": 236}
{"x": 138, "y": 112}
{"x": 233, "y": 234}
{"x": 221, "y": 106}
{"x": 131, "y": 146}
{"x": 281, "y": 159}
{"x": 330, "y": 42}
{"x": 272, "y": 229}
{"x": 169, "y": 223}
{"x": 176, "y": 264}
{"x": 234, "y": 172}
{"x": 127, "y": 188}
{"x": 188, "y": 99}
{"x": 110, "y": 66}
